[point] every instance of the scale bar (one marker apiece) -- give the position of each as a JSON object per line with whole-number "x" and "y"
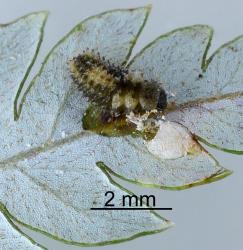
{"x": 131, "y": 208}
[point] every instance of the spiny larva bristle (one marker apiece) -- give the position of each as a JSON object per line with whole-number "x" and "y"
{"x": 92, "y": 76}
{"x": 115, "y": 88}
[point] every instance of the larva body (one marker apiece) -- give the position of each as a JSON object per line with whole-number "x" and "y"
{"x": 114, "y": 88}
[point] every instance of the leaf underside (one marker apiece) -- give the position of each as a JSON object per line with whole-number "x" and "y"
{"x": 220, "y": 121}
{"x": 190, "y": 79}
{"x": 12, "y": 238}
{"x": 52, "y": 171}
{"x": 44, "y": 182}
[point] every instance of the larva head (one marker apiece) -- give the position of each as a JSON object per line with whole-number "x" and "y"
{"x": 162, "y": 100}
{"x": 152, "y": 97}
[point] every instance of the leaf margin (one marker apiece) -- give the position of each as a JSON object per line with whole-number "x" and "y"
{"x": 79, "y": 27}
{"x": 167, "y": 34}
{"x": 213, "y": 178}
{"x": 5, "y": 213}
{"x": 104, "y": 243}
{"x": 204, "y": 65}
{"x": 23, "y": 81}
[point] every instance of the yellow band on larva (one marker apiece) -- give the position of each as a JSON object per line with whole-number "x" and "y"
{"x": 115, "y": 88}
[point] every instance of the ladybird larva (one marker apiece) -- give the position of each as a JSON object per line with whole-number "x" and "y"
{"x": 113, "y": 91}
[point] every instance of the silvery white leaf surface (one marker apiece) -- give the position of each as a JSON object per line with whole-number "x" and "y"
{"x": 54, "y": 190}
{"x": 174, "y": 174}
{"x": 131, "y": 160}
{"x": 11, "y": 238}
{"x": 218, "y": 122}
{"x": 178, "y": 61}
{"x": 175, "y": 60}
{"x": 50, "y": 185}
{"x": 52, "y": 86}
{"x": 19, "y": 44}
{"x": 20, "y": 41}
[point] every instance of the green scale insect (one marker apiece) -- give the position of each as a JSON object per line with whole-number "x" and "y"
{"x": 114, "y": 93}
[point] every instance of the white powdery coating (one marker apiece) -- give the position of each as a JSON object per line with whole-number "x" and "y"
{"x": 171, "y": 141}
{"x": 11, "y": 239}
{"x": 139, "y": 120}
